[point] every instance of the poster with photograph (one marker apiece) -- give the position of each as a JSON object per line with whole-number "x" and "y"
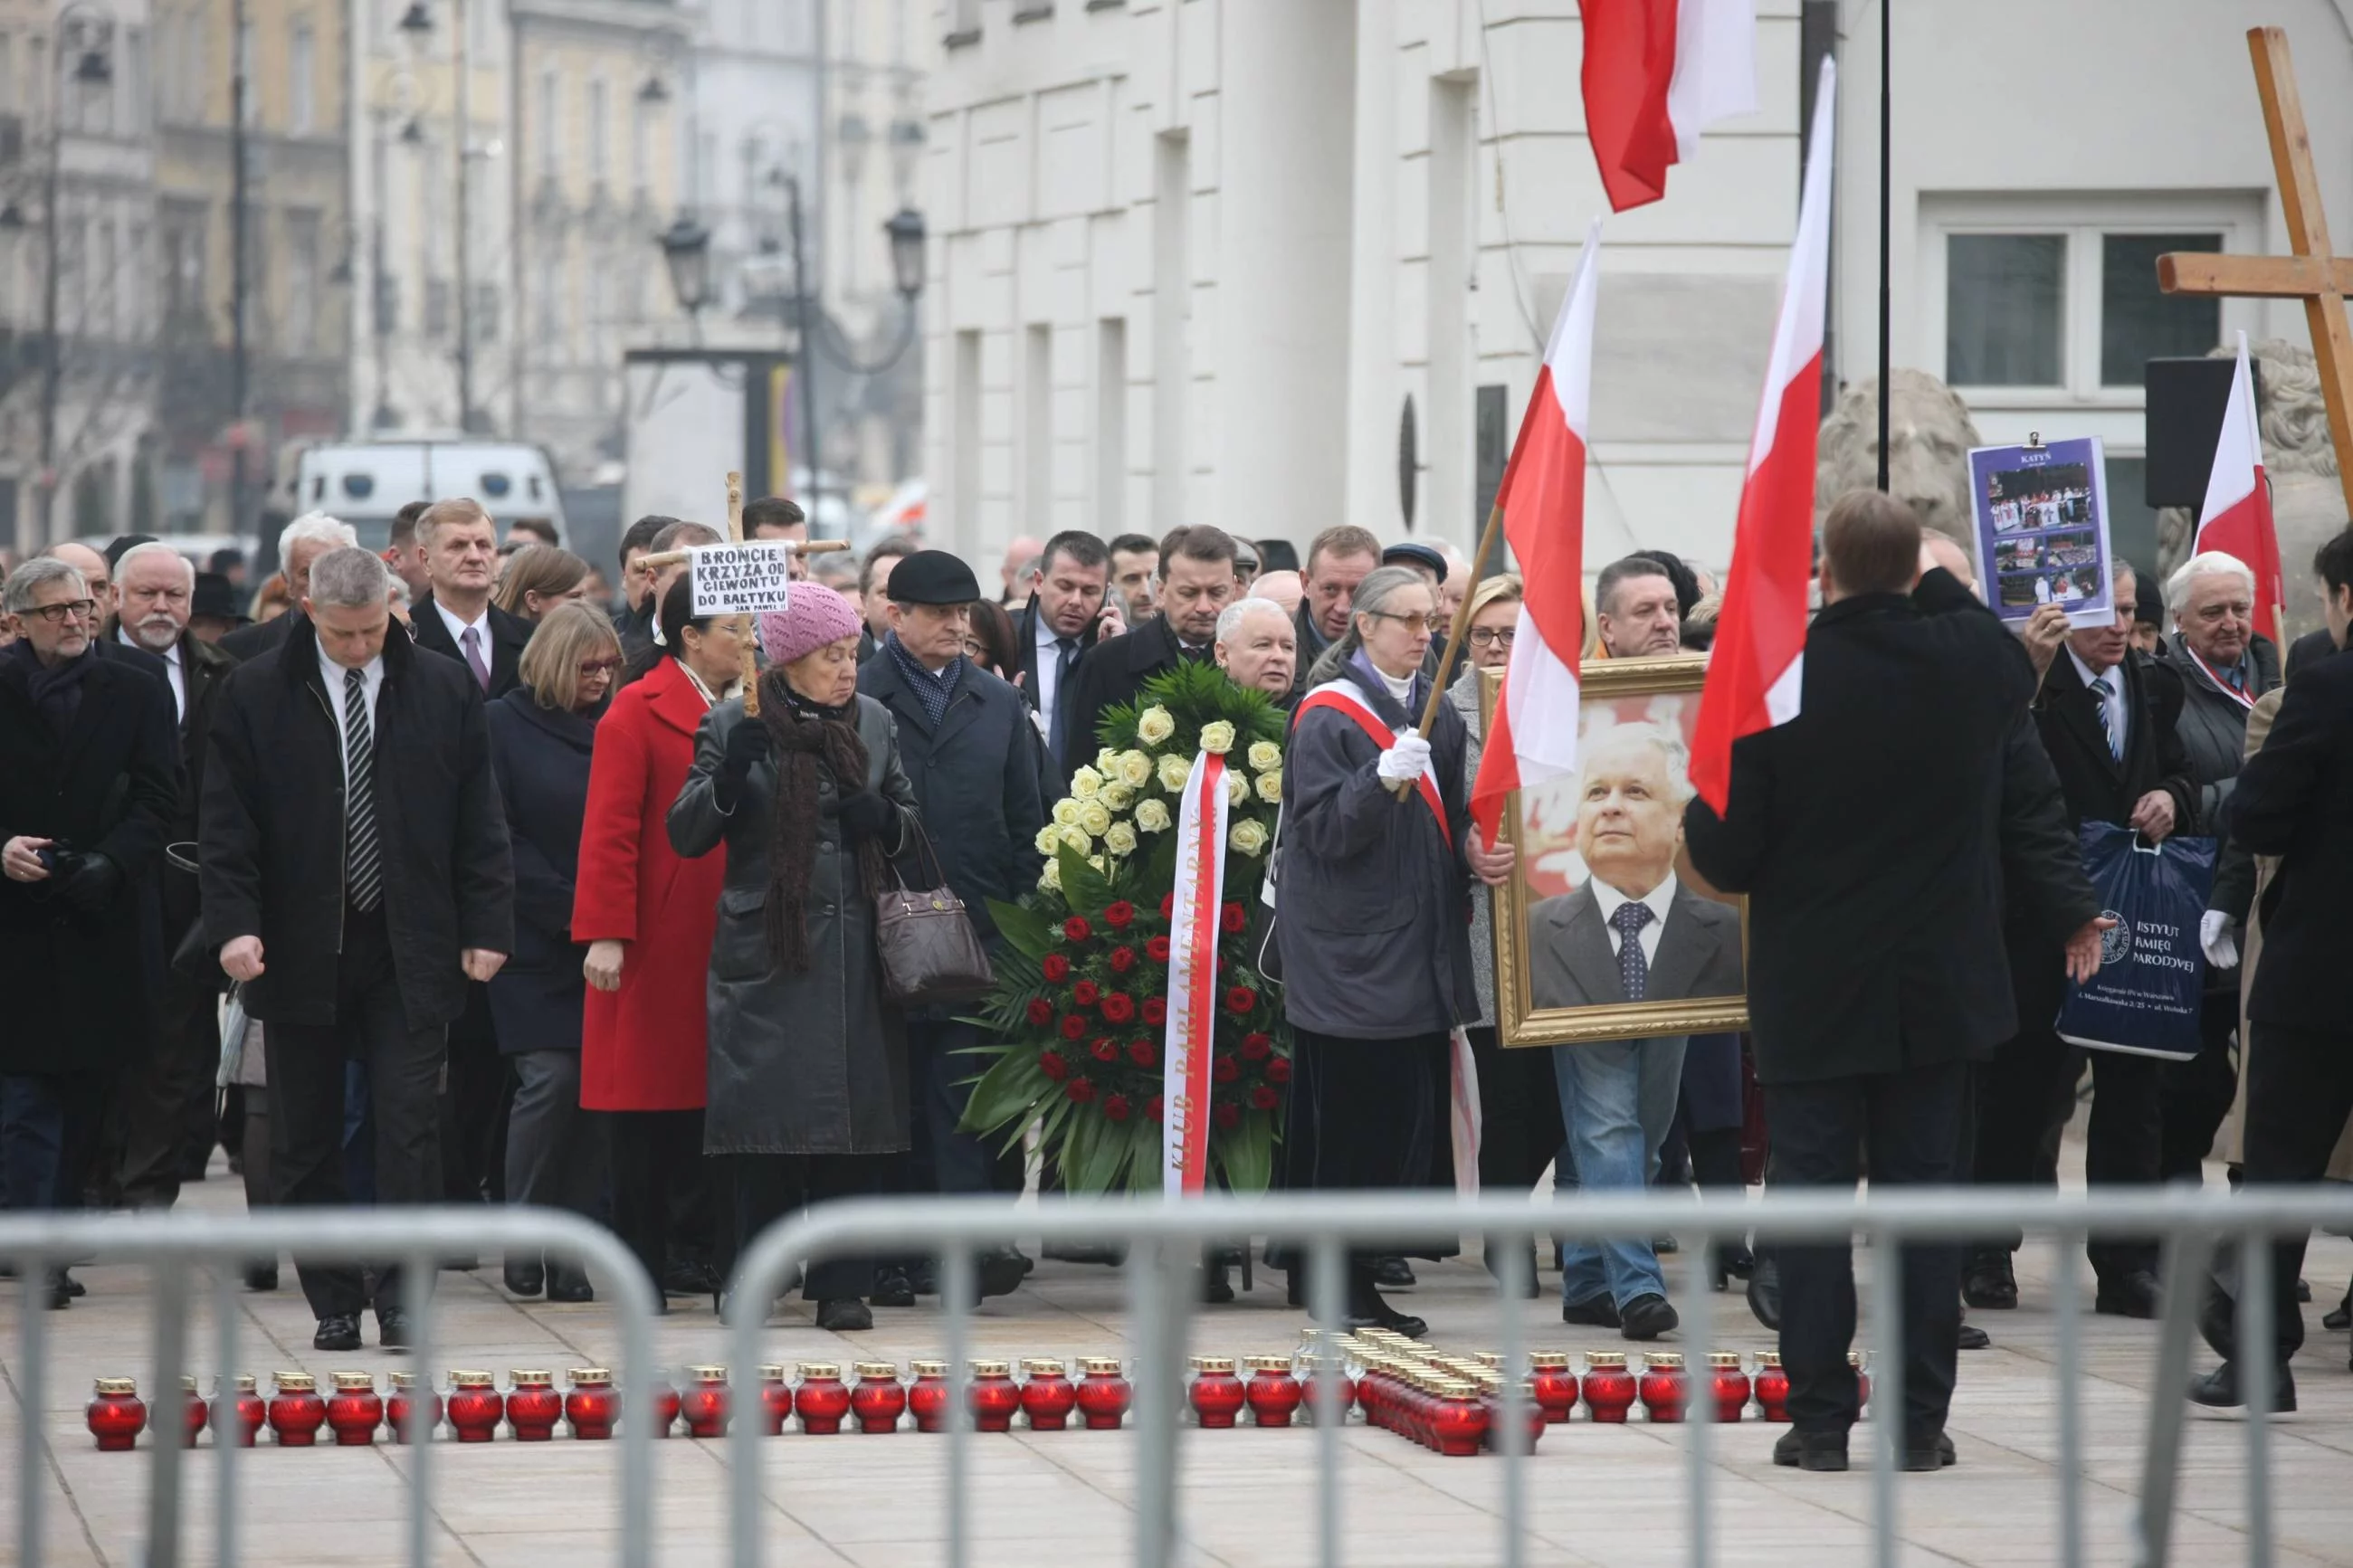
{"x": 2042, "y": 529}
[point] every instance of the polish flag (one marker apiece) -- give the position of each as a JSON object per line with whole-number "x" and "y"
{"x": 1755, "y": 672}
{"x": 1657, "y": 73}
{"x": 1542, "y": 498}
{"x": 2237, "y": 516}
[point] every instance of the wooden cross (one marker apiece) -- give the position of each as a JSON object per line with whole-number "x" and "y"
{"x": 2315, "y": 274}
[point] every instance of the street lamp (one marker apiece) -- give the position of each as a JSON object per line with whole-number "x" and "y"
{"x": 905, "y": 230}
{"x": 686, "y": 251}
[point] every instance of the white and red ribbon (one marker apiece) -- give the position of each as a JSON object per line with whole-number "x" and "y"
{"x": 1464, "y": 1122}
{"x": 2221, "y": 685}
{"x": 1193, "y": 927}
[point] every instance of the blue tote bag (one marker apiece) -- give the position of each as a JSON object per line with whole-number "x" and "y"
{"x": 2151, "y": 984}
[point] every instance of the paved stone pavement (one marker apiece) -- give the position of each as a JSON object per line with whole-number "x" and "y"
{"x": 1596, "y": 1495}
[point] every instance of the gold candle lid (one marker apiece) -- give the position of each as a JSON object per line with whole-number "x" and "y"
{"x": 1490, "y": 1358}
{"x": 1488, "y": 1377}
{"x": 244, "y": 1383}
{"x": 353, "y": 1382}
{"x": 810, "y": 1369}
{"x": 1454, "y": 1387}
{"x": 1100, "y": 1365}
{"x": 992, "y": 1369}
{"x": 1724, "y": 1358}
{"x": 187, "y": 1382}
{"x": 1768, "y": 1358}
{"x": 404, "y": 1380}
{"x": 1548, "y": 1360}
{"x": 290, "y": 1382}
{"x": 1213, "y": 1363}
{"x": 1854, "y": 1359}
{"x": 1043, "y": 1366}
{"x": 1267, "y": 1362}
{"x": 533, "y": 1377}
{"x": 470, "y": 1378}
{"x": 772, "y": 1372}
{"x": 706, "y": 1373}
{"x": 580, "y": 1375}
{"x": 1611, "y": 1361}
{"x": 878, "y": 1372}
{"x": 117, "y": 1385}
{"x": 1665, "y": 1361}
{"x": 928, "y": 1368}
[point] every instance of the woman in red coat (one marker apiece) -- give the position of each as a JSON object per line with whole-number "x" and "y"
{"x": 648, "y": 917}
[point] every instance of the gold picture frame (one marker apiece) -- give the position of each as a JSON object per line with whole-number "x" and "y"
{"x": 1667, "y": 691}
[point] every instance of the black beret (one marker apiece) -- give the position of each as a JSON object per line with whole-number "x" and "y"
{"x": 932, "y": 577}
{"x": 1414, "y": 553}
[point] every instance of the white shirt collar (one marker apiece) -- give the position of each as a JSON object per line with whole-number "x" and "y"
{"x": 371, "y": 675}
{"x": 458, "y": 626}
{"x": 1607, "y": 899}
{"x": 2090, "y": 675}
{"x": 169, "y": 655}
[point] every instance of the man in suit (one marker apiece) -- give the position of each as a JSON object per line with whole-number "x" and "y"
{"x": 779, "y": 517}
{"x": 1197, "y": 582}
{"x": 166, "y": 1106}
{"x": 1135, "y": 564}
{"x": 1337, "y": 560}
{"x": 405, "y": 552}
{"x": 1635, "y": 610}
{"x": 1876, "y": 933}
{"x": 2107, "y": 718}
{"x": 299, "y": 543}
{"x": 355, "y": 873}
{"x": 1068, "y": 612}
{"x": 1257, "y": 646}
{"x": 2294, "y": 800}
{"x": 1632, "y": 933}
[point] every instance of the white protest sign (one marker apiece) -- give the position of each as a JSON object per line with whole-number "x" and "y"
{"x": 741, "y": 579}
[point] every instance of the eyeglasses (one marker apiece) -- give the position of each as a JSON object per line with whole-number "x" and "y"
{"x": 70, "y": 610}
{"x": 595, "y": 666}
{"x": 1433, "y": 623}
{"x": 1491, "y": 636}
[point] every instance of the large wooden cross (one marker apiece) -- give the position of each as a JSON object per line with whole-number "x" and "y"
{"x": 2315, "y": 274}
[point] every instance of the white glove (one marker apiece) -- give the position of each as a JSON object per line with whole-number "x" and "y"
{"x": 1403, "y": 763}
{"x": 2214, "y": 936}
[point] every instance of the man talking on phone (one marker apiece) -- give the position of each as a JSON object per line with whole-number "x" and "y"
{"x": 1069, "y": 612}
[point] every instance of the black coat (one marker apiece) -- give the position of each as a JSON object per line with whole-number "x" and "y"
{"x": 272, "y": 857}
{"x": 1866, "y": 832}
{"x": 975, "y": 782}
{"x": 541, "y": 757}
{"x": 510, "y": 634}
{"x": 1108, "y": 673}
{"x": 2098, "y": 787}
{"x": 2046, "y": 896}
{"x": 81, "y": 990}
{"x": 1024, "y": 640}
{"x": 203, "y": 668}
{"x": 249, "y": 643}
{"x": 2294, "y": 800}
{"x": 2307, "y": 647}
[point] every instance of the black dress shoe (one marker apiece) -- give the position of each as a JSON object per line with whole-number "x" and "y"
{"x": 261, "y": 1277}
{"x": 1082, "y": 1252}
{"x": 1738, "y": 1263}
{"x": 2219, "y": 1389}
{"x": 59, "y": 1293}
{"x": 524, "y": 1276}
{"x": 2341, "y": 1316}
{"x": 926, "y": 1277}
{"x": 1936, "y": 1455}
{"x": 2135, "y": 1295}
{"x": 391, "y": 1329}
{"x": 1765, "y": 1294}
{"x": 77, "y": 1289}
{"x": 1972, "y": 1337}
{"x": 690, "y": 1276}
{"x": 1990, "y": 1285}
{"x": 892, "y": 1288}
{"x": 1646, "y": 1317}
{"x": 1001, "y": 1270}
{"x": 1393, "y": 1274}
{"x": 570, "y": 1285}
{"x": 1600, "y": 1311}
{"x": 846, "y": 1316}
{"x": 1795, "y": 1450}
{"x": 1216, "y": 1284}
{"x": 338, "y": 1332}
{"x": 2304, "y": 1292}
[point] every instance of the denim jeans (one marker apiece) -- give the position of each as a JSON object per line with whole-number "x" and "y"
{"x": 1616, "y": 1101}
{"x": 49, "y": 1125}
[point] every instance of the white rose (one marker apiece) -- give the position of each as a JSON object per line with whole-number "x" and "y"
{"x": 1174, "y": 771}
{"x": 1078, "y": 838}
{"x": 1218, "y": 737}
{"x": 1237, "y": 786}
{"x": 1048, "y": 837}
{"x": 1154, "y": 725}
{"x": 1152, "y": 815}
{"x": 1270, "y": 787}
{"x": 1051, "y": 877}
{"x": 1134, "y": 769}
{"x": 1094, "y": 818}
{"x": 1086, "y": 784}
{"x": 1265, "y": 754}
{"x": 1118, "y": 796}
{"x": 1121, "y": 839}
{"x": 1066, "y": 812}
{"x": 1247, "y": 836}
{"x": 1100, "y": 865}
{"x": 1106, "y": 761}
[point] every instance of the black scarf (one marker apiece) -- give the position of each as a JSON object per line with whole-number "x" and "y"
{"x": 933, "y": 691}
{"x": 56, "y": 690}
{"x": 807, "y": 735}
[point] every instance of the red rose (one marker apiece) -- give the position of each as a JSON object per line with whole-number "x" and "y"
{"x": 1156, "y": 1011}
{"x": 1104, "y": 1051}
{"x": 1228, "y": 1115}
{"x": 1055, "y": 967}
{"x": 1235, "y": 917}
{"x": 1142, "y": 1053}
{"x": 1257, "y": 1047}
{"x": 1073, "y": 1026}
{"x": 1051, "y": 1064}
{"x": 1123, "y": 959}
{"x": 1116, "y": 1107}
{"x": 1119, "y": 915}
{"x": 1167, "y": 905}
{"x": 1119, "y": 1006}
{"x": 1077, "y": 928}
{"x": 1225, "y": 1069}
{"x": 1156, "y": 950}
{"x": 1155, "y": 1109}
{"x": 1241, "y": 999}
{"x": 1264, "y": 1099}
{"x": 1086, "y": 993}
{"x": 1042, "y": 1012}
{"x": 1278, "y": 1071}
{"x": 1080, "y": 1090}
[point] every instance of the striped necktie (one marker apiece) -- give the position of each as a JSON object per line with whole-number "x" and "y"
{"x": 2108, "y": 717}
{"x": 363, "y": 858}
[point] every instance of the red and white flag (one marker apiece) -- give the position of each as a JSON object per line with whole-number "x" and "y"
{"x": 1756, "y": 673}
{"x": 2237, "y": 516}
{"x": 1543, "y": 501}
{"x": 1188, "y": 1042}
{"x": 1656, "y": 74}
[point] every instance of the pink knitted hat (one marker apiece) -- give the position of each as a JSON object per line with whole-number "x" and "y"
{"x": 818, "y": 615}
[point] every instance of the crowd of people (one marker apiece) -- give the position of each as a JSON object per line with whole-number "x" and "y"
{"x": 522, "y": 901}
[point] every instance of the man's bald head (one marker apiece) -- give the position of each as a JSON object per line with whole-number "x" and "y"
{"x": 94, "y": 572}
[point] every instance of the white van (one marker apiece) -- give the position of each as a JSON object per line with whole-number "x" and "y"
{"x": 366, "y": 483}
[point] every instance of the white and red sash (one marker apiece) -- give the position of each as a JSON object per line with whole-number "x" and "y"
{"x": 1344, "y": 697}
{"x": 2222, "y": 684}
{"x": 1188, "y": 1044}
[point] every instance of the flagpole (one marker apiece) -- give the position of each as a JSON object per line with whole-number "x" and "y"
{"x": 1487, "y": 542}
{"x": 1886, "y": 53}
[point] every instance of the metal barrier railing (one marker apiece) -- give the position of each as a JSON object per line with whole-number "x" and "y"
{"x": 416, "y": 1238}
{"x": 1164, "y": 1242}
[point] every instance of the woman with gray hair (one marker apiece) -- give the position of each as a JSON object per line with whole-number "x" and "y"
{"x": 1374, "y": 912}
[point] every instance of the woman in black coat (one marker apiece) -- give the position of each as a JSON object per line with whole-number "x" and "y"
{"x": 542, "y": 733}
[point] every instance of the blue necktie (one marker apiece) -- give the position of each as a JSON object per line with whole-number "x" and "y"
{"x": 1633, "y": 968}
{"x": 2108, "y": 717}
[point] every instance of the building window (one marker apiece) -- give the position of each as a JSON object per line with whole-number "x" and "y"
{"x": 245, "y": 69}
{"x": 2138, "y": 323}
{"x": 641, "y": 137}
{"x": 600, "y": 161}
{"x": 550, "y": 117}
{"x": 963, "y": 23}
{"x": 302, "y": 72}
{"x": 297, "y": 317}
{"x": 2005, "y": 298}
{"x": 437, "y": 307}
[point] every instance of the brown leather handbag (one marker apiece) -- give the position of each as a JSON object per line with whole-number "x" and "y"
{"x": 930, "y": 953}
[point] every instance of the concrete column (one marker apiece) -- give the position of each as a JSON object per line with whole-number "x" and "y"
{"x": 1376, "y": 387}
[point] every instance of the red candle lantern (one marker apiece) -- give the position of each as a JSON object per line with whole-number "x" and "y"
{"x": 1609, "y": 1386}
{"x": 1491, "y": 1390}
{"x": 1552, "y": 1385}
{"x": 193, "y": 1413}
{"x": 591, "y": 1403}
{"x": 296, "y": 1411}
{"x": 666, "y": 1406}
{"x": 703, "y": 1402}
{"x": 238, "y": 1411}
{"x": 1217, "y": 1394}
{"x": 879, "y": 1398}
{"x": 533, "y": 1408}
{"x": 406, "y": 1404}
{"x": 1272, "y": 1392}
{"x": 1772, "y": 1386}
{"x": 1376, "y": 1389}
{"x": 117, "y": 1414}
{"x": 353, "y": 1411}
{"x": 993, "y": 1396}
{"x": 1727, "y": 1384}
{"x": 476, "y": 1406}
{"x": 1861, "y": 1383}
{"x": 1103, "y": 1394}
{"x": 821, "y": 1400}
{"x": 1311, "y": 1388}
{"x": 776, "y": 1399}
{"x": 1666, "y": 1388}
{"x": 1048, "y": 1397}
{"x": 1457, "y": 1418}
{"x": 927, "y": 1397}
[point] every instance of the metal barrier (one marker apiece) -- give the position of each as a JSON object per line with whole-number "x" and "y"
{"x": 1164, "y": 1242}
{"x": 416, "y": 1238}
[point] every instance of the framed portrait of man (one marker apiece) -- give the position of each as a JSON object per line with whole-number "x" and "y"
{"x": 1604, "y": 931}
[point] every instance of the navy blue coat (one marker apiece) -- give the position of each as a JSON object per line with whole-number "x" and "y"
{"x": 540, "y": 757}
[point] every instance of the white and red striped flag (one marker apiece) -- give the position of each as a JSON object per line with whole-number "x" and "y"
{"x": 1754, "y": 674}
{"x": 1189, "y": 1039}
{"x": 1542, "y": 497}
{"x": 2237, "y": 516}
{"x": 1656, "y": 74}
